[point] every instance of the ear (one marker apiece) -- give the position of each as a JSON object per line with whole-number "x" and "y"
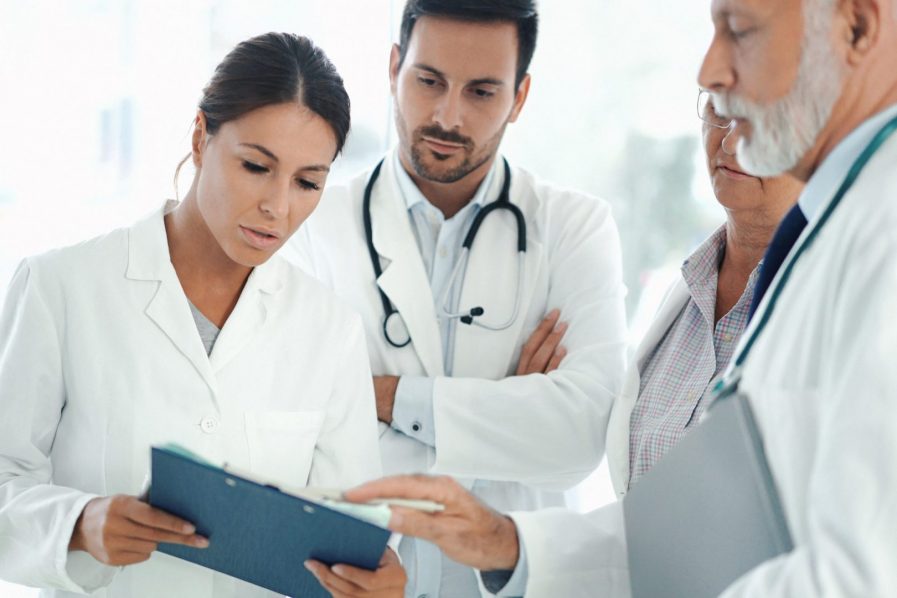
{"x": 200, "y": 138}
{"x": 394, "y": 58}
{"x": 861, "y": 26}
{"x": 520, "y": 98}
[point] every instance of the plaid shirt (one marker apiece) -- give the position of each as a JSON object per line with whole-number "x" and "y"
{"x": 678, "y": 376}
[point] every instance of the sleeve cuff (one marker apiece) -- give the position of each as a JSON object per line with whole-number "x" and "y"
{"x": 79, "y": 571}
{"x": 508, "y": 583}
{"x": 412, "y": 412}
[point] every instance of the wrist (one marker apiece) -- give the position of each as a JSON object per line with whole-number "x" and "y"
{"x": 76, "y": 542}
{"x": 385, "y": 387}
{"x": 507, "y": 551}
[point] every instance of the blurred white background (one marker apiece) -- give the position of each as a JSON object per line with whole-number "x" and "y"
{"x": 97, "y": 98}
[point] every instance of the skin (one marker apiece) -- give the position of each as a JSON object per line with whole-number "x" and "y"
{"x": 454, "y": 95}
{"x": 541, "y": 353}
{"x": 455, "y": 86}
{"x": 754, "y": 207}
{"x": 756, "y": 49}
{"x": 755, "y": 54}
{"x": 471, "y": 532}
{"x": 251, "y": 174}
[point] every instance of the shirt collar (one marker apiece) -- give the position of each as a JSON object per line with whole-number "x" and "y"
{"x": 701, "y": 274}
{"x": 825, "y": 182}
{"x": 702, "y": 266}
{"x": 412, "y": 195}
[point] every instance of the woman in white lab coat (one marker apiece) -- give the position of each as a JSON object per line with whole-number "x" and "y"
{"x": 186, "y": 328}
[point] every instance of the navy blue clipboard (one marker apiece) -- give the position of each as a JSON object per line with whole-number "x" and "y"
{"x": 258, "y": 533}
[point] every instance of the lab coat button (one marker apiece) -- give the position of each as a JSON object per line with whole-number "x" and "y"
{"x": 209, "y": 425}
{"x": 416, "y": 427}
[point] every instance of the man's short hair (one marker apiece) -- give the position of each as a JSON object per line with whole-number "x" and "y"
{"x": 520, "y": 12}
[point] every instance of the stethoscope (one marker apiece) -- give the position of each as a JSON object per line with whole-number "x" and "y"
{"x": 394, "y": 328}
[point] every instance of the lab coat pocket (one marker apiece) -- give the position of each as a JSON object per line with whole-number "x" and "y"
{"x": 282, "y": 444}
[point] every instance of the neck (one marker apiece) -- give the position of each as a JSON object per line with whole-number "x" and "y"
{"x": 858, "y": 104}
{"x": 449, "y": 198}
{"x": 748, "y": 233}
{"x": 204, "y": 270}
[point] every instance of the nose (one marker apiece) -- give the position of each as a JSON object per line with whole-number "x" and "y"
{"x": 448, "y": 111}
{"x": 276, "y": 201}
{"x": 716, "y": 72}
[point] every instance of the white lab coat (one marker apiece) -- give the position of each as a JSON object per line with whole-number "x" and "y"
{"x": 823, "y": 385}
{"x": 517, "y": 442}
{"x": 100, "y": 358}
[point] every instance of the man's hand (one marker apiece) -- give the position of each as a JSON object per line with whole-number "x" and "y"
{"x": 467, "y": 531}
{"x": 542, "y": 352}
{"x": 121, "y": 530}
{"x": 343, "y": 581}
{"x": 385, "y": 392}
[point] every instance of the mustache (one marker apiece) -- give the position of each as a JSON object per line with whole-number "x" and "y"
{"x": 437, "y": 132}
{"x": 727, "y": 106}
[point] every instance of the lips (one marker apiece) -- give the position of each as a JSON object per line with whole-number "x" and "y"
{"x": 732, "y": 172}
{"x": 442, "y": 147}
{"x": 260, "y": 237}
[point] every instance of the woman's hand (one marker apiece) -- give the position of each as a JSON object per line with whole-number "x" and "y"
{"x": 343, "y": 581}
{"x": 121, "y": 530}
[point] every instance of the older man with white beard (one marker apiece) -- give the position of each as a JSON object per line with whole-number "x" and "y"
{"x": 812, "y": 88}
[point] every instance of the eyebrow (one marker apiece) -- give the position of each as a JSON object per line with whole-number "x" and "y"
{"x": 270, "y": 154}
{"x": 440, "y": 74}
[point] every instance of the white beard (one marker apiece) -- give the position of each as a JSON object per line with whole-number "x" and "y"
{"x": 785, "y": 130}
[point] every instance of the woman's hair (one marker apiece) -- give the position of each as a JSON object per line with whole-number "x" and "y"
{"x": 275, "y": 68}
{"x": 272, "y": 69}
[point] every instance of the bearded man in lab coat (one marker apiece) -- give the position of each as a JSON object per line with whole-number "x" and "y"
{"x": 493, "y": 399}
{"x": 812, "y": 86}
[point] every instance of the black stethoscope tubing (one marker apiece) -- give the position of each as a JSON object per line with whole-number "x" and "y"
{"x": 502, "y": 203}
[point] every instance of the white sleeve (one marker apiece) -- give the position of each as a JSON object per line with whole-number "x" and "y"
{"x": 574, "y": 554}
{"x": 851, "y": 519}
{"x": 548, "y": 431}
{"x": 36, "y": 517}
{"x": 348, "y": 451}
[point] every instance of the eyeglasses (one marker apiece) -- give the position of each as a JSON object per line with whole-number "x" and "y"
{"x": 707, "y": 114}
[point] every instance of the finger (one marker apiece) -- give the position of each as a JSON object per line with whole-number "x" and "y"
{"x": 123, "y": 559}
{"x": 129, "y": 544}
{"x": 535, "y": 341}
{"x": 556, "y": 359}
{"x": 428, "y": 526}
{"x": 441, "y": 489}
{"x": 364, "y": 579}
{"x": 331, "y": 581}
{"x": 152, "y": 534}
{"x": 144, "y": 514}
{"x": 543, "y": 355}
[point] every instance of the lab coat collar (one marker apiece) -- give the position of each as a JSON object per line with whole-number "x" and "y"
{"x": 490, "y": 280}
{"x": 618, "y": 428}
{"x": 824, "y": 183}
{"x": 150, "y": 261}
{"x": 149, "y": 258}
{"x": 404, "y": 279}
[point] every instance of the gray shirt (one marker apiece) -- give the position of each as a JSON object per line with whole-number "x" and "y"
{"x": 208, "y": 332}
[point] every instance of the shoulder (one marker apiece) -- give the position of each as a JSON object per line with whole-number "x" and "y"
{"x": 555, "y": 197}
{"x": 82, "y": 260}
{"x": 340, "y": 203}
{"x": 304, "y": 296}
